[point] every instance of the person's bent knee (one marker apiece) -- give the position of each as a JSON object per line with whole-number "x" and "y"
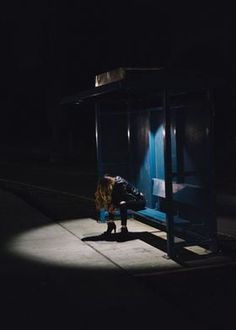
{"x": 123, "y": 205}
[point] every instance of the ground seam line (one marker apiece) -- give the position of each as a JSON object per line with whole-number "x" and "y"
{"x": 93, "y": 248}
{"x": 187, "y": 269}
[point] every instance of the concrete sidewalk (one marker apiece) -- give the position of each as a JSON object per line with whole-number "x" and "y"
{"x": 63, "y": 274}
{"x": 50, "y": 277}
{"x": 77, "y": 243}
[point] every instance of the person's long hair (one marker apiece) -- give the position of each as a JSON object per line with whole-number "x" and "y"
{"x": 103, "y": 193}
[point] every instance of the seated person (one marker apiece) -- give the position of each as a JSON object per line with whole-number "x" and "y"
{"x": 116, "y": 192}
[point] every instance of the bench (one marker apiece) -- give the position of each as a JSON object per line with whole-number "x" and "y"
{"x": 158, "y": 216}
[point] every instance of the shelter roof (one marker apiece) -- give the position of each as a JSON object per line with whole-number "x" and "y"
{"x": 124, "y": 83}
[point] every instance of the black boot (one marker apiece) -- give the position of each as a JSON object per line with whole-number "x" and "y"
{"x": 124, "y": 234}
{"x": 110, "y": 227}
{"x": 124, "y": 230}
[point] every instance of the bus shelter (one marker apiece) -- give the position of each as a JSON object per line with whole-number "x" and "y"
{"x": 155, "y": 128}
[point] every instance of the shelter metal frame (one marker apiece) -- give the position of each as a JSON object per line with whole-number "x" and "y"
{"x": 145, "y": 86}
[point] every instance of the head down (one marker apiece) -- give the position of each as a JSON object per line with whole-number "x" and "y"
{"x": 103, "y": 195}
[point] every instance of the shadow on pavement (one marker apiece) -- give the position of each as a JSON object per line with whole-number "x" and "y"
{"x": 183, "y": 256}
{"x": 42, "y": 295}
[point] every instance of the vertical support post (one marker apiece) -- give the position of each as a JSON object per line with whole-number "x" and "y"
{"x": 152, "y": 148}
{"x": 179, "y": 135}
{"x": 211, "y": 171}
{"x": 129, "y": 140}
{"x": 98, "y": 140}
{"x": 168, "y": 177}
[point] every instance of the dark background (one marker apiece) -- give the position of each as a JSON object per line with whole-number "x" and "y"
{"x": 51, "y": 49}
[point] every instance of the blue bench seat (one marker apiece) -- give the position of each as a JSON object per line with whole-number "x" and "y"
{"x": 159, "y": 216}
{"x": 148, "y": 213}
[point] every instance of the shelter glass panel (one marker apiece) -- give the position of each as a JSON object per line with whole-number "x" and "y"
{"x": 191, "y": 172}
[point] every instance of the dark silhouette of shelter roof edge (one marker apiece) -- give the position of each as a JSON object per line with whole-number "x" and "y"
{"x": 144, "y": 81}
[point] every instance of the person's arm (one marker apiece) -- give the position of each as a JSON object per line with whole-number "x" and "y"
{"x": 111, "y": 212}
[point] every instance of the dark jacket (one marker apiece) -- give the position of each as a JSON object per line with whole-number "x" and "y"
{"x": 124, "y": 191}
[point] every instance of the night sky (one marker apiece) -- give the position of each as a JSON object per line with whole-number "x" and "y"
{"x": 50, "y": 49}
